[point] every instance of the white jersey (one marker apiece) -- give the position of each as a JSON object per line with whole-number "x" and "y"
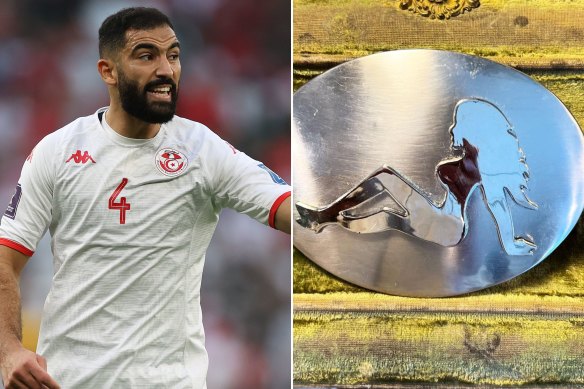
{"x": 130, "y": 222}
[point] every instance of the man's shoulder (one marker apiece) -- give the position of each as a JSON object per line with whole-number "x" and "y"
{"x": 81, "y": 124}
{"x": 189, "y": 130}
{"x": 77, "y": 128}
{"x": 181, "y": 124}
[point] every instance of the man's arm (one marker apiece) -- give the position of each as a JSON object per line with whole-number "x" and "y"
{"x": 282, "y": 221}
{"x": 20, "y": 367}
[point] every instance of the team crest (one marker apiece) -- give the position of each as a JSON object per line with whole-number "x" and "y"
{"x": 171, "y": 162}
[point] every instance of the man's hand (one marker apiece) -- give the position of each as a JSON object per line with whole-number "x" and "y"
{"x": 24, "y": 369}
{"x": 20, "y": 367}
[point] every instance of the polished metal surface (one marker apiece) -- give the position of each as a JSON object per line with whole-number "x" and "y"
{"x": 431, "y": 173}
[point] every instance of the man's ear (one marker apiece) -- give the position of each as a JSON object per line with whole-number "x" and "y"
{"x": 108, "y": 72}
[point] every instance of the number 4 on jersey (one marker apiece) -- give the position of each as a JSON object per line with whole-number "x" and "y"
{"x": 122, "y": 205}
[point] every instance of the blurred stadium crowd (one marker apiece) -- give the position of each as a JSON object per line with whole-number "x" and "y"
{"x": 236, "y": 80}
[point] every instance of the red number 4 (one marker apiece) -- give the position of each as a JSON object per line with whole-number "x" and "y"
{"x": 122, "y": 205}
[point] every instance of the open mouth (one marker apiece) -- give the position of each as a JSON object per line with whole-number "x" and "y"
{"x": 161, "y": 92}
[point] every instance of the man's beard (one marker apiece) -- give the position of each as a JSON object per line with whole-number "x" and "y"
{"x": 135, "y": 101}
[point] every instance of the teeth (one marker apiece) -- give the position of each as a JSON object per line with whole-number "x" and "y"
{"x": 165, "y": 89}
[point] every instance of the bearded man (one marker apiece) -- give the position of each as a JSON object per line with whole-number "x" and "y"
{"x": 131, "y": 196}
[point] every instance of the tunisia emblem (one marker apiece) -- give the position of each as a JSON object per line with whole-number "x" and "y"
{"x": 171, "y": 162}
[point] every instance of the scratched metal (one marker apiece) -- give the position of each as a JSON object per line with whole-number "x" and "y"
{"x": 431, "y": 173}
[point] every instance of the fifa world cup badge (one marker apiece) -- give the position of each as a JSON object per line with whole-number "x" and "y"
{"x": 432, "y": 173}
{"x": 13, "y": 206}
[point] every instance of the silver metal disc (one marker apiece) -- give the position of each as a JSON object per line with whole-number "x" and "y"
{"x": 432, "y": 173}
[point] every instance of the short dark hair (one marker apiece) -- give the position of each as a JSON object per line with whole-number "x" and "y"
{"x": 112, "y": 33}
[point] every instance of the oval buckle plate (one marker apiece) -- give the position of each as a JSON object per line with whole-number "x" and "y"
{"x": 432, "y": 173}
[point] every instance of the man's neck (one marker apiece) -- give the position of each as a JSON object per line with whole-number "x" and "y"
{"x": 129, "y": 126}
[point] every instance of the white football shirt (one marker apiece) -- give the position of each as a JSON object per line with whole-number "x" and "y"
{"x": 130, "y": 222}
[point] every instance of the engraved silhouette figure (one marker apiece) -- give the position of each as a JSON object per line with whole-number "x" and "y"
{"x": 492, "y": 161}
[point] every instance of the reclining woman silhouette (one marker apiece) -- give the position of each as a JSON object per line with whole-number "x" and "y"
{"x": 492, "y": 161}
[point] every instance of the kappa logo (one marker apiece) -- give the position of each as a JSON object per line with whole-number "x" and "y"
{"x": 78, "y": 158}
{"x": 171, "y": 162}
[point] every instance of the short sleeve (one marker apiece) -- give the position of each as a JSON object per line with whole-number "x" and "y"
{"x": 246, "y": 185}
{"x": 28, "y": 214}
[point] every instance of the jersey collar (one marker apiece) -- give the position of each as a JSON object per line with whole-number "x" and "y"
{"x": 122, "y": 140}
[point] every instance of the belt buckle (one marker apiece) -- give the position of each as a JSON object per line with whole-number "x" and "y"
{"x": 432, "y": 173}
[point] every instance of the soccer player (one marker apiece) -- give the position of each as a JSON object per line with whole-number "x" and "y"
{"x": 131, "y": 196}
